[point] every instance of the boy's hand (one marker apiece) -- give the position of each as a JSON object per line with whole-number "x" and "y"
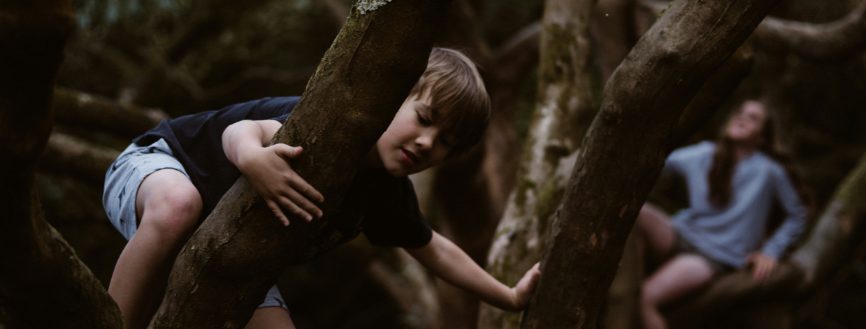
{"x": 524, "y": 288}
{"x": 270, "y": 174}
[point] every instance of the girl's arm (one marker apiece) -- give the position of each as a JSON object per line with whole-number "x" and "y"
{"x": 764, "y": 262}
{"x": 267, "y": 168}
{"x": 795, "y": 215}
{"x": 452, "y": 264}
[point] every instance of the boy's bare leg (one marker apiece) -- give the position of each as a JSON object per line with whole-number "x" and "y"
{"x": 678, "y": 277}
{"x": 168, "y": 207}
{"x": 271, "y": 318}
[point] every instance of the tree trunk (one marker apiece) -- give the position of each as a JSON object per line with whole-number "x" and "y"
{"x": 625, "y": 149}
{"x": 348, "y": 103}
{"x": 39, "y": 272}
{"x": 623, "y": 296}
{"x": 563, "y": 111}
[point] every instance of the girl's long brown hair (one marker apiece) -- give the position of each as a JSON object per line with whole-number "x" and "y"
{"x": 720, "y": 178}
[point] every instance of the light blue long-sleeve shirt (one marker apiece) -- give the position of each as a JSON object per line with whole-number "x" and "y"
{"x": 729, "y": 234}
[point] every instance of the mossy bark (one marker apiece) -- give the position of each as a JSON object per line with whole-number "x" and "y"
{"x": 43, "y": 284}
{"x": 563, "y": 112}
{"x": 624, "y": 151}
{"x": 227, "y": 266}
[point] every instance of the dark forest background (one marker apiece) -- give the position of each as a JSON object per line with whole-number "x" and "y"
{"x": 131, "y": 63}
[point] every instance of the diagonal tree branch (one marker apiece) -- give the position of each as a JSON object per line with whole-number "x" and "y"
{"x": 348, "y": 103}
{"x": 624, "y": 151}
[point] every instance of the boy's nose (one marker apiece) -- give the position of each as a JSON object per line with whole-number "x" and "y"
{"x": 426, "y": 139}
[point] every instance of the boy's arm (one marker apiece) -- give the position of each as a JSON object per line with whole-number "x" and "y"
{"x": 452, "y": 264}
{"x": 267, "y": 168}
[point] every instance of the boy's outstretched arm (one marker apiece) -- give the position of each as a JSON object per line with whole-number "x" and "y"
{"x": 267, "y": 168}
{"x": 452, "y": 264}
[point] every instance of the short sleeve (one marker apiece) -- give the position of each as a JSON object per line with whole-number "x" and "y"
{"x": 393, "y": 218}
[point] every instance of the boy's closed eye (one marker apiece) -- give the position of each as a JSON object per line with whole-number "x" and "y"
{"x": 424, "y": 117}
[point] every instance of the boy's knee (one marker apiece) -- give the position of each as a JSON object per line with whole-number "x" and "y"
{"x": 173, "y": 212}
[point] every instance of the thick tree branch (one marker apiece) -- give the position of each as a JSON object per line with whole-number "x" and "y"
{"x": 39, "y": 272}
{"x": 71, "y": 155}
{"x": 624, "y": 151}
{"x": 824, "y": 42}
{"x": 94, "y": 112}
{"x": 820, "y": 42}
{"x": 564, "y": 109}
{"x": 348, "y": 103}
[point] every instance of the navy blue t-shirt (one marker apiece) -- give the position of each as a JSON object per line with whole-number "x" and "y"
{"x": 383, "y": 207}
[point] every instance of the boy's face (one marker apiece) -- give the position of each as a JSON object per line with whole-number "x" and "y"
{"x": 412, "y": 142}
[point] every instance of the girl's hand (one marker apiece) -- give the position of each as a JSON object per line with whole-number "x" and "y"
{"x": 269, "y": 172}
{"x": 524, "y": 288}
{"x": 762, "y": 265}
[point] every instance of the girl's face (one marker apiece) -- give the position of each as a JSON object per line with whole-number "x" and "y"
{"x": 746, "y": 126}
{"x": 412, "y": 142}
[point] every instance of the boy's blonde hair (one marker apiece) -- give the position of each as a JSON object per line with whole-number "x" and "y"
{"x": 460, "y": 104}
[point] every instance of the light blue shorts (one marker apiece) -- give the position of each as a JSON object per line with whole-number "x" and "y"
{"x": 122, "y": 180}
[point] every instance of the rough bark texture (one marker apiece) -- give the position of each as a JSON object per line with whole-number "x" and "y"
{"x": 625, "y": 149}
{"x": 623, "y": 298}
{"x": 563, "y": 112}
{"x": 348, "y": 103}
{"x": 39, "y": 272}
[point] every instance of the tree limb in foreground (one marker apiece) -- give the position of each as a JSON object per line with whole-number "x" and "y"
{"x": 624, "y": 150}
{"x": 223, "y": 272}
{"x": 39, "y": 271}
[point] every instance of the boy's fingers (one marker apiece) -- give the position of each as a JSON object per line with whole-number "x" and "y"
{"x": 303, "y": 202}
{"x": 292, "y": 207}
{"x": 277, "y": 212}
{"x": 305, "y": 188}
